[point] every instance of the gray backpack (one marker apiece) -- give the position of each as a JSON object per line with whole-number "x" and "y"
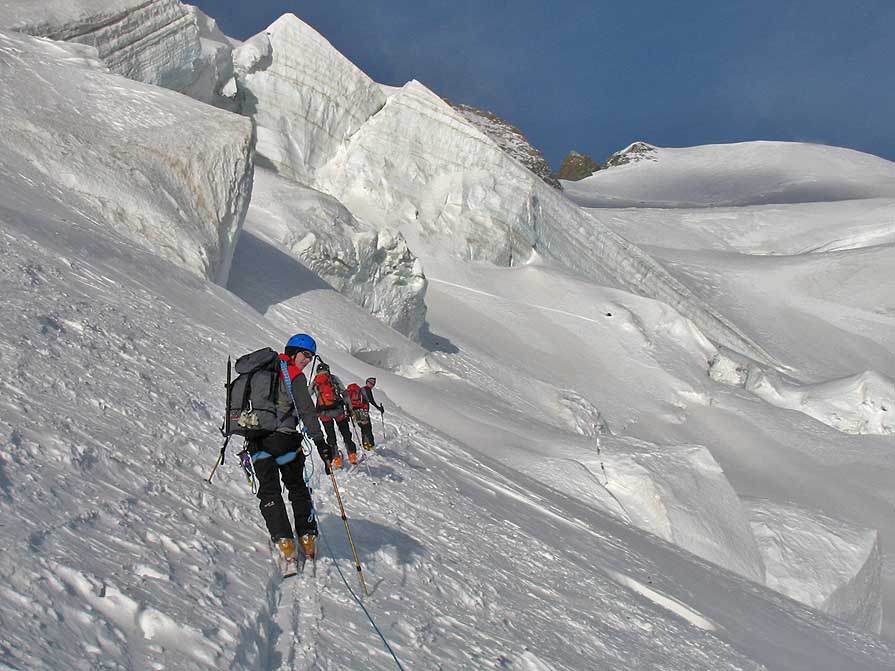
{"x": 252, "y": 396}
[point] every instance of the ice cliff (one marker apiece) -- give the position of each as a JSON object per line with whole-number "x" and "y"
{"x": 413, "y": 164}
{"x": 305, "y": 97}
{"x": 680, "y": 493}
{"x": 163, "y": 170}
{"x": 372, "y": 267}
{"x": 155, "y": 42}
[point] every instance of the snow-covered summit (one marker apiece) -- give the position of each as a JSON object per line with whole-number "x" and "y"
{"x": 746, "y": 173}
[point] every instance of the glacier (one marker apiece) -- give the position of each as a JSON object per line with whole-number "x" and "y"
{"x": 102, "y": 347}
{"x": 123, "y": 157}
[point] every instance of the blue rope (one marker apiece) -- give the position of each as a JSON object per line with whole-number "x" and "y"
{"x": 309, "y": 456}
{"x": 359, "y": 602}
{"x": 320, "y": 531}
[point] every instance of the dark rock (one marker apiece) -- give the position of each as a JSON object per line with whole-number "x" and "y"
{"x": 637, "y": 151}
{"x": 577, "y": 166}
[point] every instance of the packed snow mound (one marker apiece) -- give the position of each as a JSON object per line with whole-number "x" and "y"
{"x": 746, "y": 173}
{"x": 169, "y": 172}
{"x": 374, "y": 268}
{"x": 153, "y": 41}
{"x": 305, "y": 97}
{"x": 860, "y": 404}
{"x": 680, "y": 493}
{"x": 828, "y": 564}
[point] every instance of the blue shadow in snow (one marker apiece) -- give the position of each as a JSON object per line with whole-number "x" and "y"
{"x": 263, "y": 275}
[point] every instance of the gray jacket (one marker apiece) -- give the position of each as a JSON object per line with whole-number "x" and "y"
{"x": 287, "y": 418}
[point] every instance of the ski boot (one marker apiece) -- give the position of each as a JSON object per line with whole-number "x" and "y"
{"x": 287, "y": 553}
{"x": 368, "y": 447}
{"x": 308, "y": 545}
{"x": 337, "y": 461}
{"x": 352, "y": 457}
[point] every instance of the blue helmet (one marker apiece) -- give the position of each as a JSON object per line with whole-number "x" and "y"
{"x": 303, "y": 341}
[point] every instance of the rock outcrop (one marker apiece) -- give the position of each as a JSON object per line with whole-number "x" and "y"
{"x": 511, "y": 140}
{"x": 636, "y": 151}
{"x": 577, "y": 166}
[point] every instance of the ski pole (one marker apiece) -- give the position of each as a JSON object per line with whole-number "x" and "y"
{"x": 382, "y": 417}
{"x": 360, "y": 572}
{"x": 357, "y": 435}
{"x": 367, "y": 466}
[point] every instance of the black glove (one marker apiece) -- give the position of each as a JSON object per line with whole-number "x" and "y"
{"x": 323, "y": 449}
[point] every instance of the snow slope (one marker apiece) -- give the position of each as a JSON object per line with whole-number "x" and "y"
{"x": 746, "y": 173}
{"x": 540, "y": 425}
{"x": 116, "y": 553}
{"x": 809, "y": 279}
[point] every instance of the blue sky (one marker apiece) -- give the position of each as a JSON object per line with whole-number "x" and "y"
{"x": 596, "y": 75}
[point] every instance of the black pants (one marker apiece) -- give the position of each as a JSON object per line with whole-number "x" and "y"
{"x": 366, "y": 432}
{"x": 344, "y": 425}
{"x": 279, "y": 455}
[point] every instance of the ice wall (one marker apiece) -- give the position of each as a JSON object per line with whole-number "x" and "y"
{"x": 373, "y": 267}
{"x": 166, "y": 171}
{"x": 419, "y": 167}
{"x": 305, "y": 97}
{"x": 154, "y": 41}
{"x": 828, "y": 564}
{"x": 413, "y": 164}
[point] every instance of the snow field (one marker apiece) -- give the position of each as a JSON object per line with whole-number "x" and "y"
{"x": 490, "y": 534}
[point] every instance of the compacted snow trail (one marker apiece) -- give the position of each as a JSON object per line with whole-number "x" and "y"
{"x": 296, "y": 622}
